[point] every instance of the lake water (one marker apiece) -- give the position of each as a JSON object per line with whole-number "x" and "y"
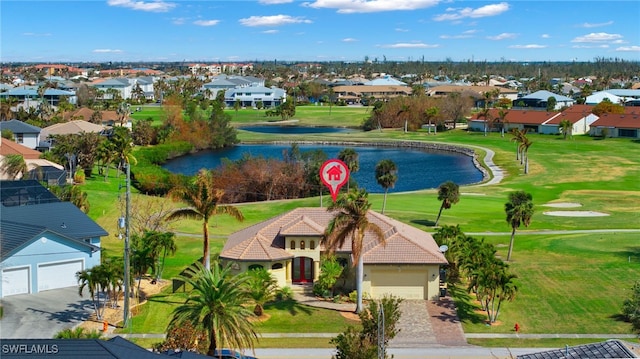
{"x": 417, "y": 169}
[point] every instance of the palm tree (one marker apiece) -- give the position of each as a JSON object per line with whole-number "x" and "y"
{"x": 519, "y": 211}
{"x": 526, "y": 143}
{"x": 566, "y": 126}
{"x": 203, "y": 198}
{"x": 387, "y": 176}
{"x": 262, "y": 288}
{"x": 93, "y": 281}
{"x": 449, "y": 194}
{"x": 123, "y": 111}
{"x": 216, "y": 306}
{"x": 350, "y": 157}
{"x": 14, "y": 166}
{"x": 350, "y": 222}
{"x": 160, "y": 244}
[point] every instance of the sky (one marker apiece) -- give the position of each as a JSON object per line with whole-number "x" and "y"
{"x": 317, "y": 30}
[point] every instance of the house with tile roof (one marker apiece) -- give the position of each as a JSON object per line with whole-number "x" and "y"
{"x": 612, "y": 348}
{"x": 290, "y": 247}
{"x": 38, "y": 168}
{"x": 534, "y": 121}
{"x": 626, "y": 125}
{"x": 362, "y": 93}
{"x": 43, "y": 242}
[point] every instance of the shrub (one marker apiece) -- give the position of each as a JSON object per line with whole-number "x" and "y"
{"x": 79, "y": 176}
{"x": 284, "y": 293}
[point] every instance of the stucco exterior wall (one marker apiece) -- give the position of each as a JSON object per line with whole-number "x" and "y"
{"x": 49, "y": 248}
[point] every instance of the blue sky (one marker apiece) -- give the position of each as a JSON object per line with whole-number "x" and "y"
{"x": 320, "y": 30}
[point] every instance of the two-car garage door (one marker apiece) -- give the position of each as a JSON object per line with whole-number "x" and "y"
{"x": 17, "y": 280}
{"x": 58, "y": 275}
{"x": 407, "y": 284}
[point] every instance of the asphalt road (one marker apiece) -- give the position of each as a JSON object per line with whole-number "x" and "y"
{"x": 42, "y": 315}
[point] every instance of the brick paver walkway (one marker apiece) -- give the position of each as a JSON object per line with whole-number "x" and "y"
{"x": 445, "y": 322}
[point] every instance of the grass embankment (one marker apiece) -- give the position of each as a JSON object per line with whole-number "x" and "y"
{"x": 568, "y": 283}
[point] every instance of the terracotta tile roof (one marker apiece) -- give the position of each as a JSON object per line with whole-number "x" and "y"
{"x": 626, "y": 120}
{"x": 71, "y": 127}
{"x": 265, "y": 241}
{"x": 519, "y": 116}
{"x": 8, "y": 147}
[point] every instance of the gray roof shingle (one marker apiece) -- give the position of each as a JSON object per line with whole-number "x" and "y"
{"x": 607, "y": 349}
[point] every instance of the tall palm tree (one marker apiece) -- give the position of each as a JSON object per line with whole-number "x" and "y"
{"x": 14, "y": 166}
{"x": 216, "y": 306}
{"x": 161, "y": 244}
{"x": 203, "y": 198}
{"x": 449, "y": 194}
{"x": 519, "y": 211}
{"x": 566, "y": 126}
{"x": 350, "y": 158}
{"x": 350, "y": 222}
{"x": 387, "y": 176}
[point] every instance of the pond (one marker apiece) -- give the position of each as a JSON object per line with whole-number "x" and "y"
{"x": 417, "y": 168}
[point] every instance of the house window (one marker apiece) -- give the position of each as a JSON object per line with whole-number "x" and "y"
{"x": 624, "y": 132}
{"x": 312, "y": 245}
{"x": 302, "y": 245}
{"x": 293, "y": 245}
{"x": 276, "y": 266}
{"x": 19, "y": 138}
{"x": 255, "y": 266}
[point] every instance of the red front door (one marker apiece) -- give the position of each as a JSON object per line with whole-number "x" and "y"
{"x": 302, "y": 270}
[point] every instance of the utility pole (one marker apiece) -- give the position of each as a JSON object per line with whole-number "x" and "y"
{"x": 125, "y": 321}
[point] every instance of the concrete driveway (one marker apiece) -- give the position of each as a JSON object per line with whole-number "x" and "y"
{"x": 42, "y": 315}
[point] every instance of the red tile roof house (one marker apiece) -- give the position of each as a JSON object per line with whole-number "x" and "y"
{"x": 538, "y": 121}
{"x": 626, "y": 125}
{"x": 289, "y": 246}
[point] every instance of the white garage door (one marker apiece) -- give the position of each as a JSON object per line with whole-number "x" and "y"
{"x": 58, "y": 275}
{"x": 406, "y": 284}
{"x": 15, "y": 281}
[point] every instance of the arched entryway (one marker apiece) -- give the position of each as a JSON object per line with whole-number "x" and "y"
{"x": 302, "y": 271}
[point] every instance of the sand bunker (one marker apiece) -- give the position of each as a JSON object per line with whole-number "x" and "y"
{"x": 563, "y": 205}
{"x": 575, "y": 214}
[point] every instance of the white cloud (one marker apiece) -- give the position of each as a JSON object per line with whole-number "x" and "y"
{"x": 178, "y": 20}
{"x": 545, "y": 36}
{"x": 629, "y": 48}
{"x": 503, "y": 36}
{"x": 270, "y": 31}
{"x": 589, "y": 25}
{"x": 465, "y": 35}
{"x": 274, "y": 2}
{"x": 34, "y": 34}
{"x": 107, "y": 51}
{"x": 365, "y": 6}
{"x": 530, "y": 46}
{"x": 598, "y": 37}
{"x": 152, "y": 6}
{"x": 401, "y": 30}
{"x": 409, "y": 45}
{"x": 206, "y": 22}
{"x": 601, "y": 46}
{"x": 484, "y": 11}
{"x": 349, "y": 39}
{"x": 274, "y": 20}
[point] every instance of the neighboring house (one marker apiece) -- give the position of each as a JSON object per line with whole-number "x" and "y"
{"x": 119, "y": 84}
{"x": 626, "y": 125}
{"x": 612, "y": 348}
{"x": 23, "y": 133}
{"x": 385, "y": 80}
{"x": 51, "y": 95}
{"x": 250, "y": 96}
{"x": 40, "y": 169}
{"x": 479, "y": 91}
{"x": 289, "y": 247}
{"x": 70, "y": 128}
{"x": 362, "y": 94}
{"x": 44, "y": 242}
{"x": 537, "y": 121}
{"x": 598, "y": 97}
{"x": 539, "y": 100}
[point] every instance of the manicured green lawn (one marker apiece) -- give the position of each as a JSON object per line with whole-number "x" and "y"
{"x": 568, "y": 283}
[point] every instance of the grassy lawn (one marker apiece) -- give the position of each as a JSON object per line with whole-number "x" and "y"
{"x": 568, "y": 283}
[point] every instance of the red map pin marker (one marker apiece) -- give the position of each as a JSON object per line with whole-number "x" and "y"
{"x": 334, "y": 174}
